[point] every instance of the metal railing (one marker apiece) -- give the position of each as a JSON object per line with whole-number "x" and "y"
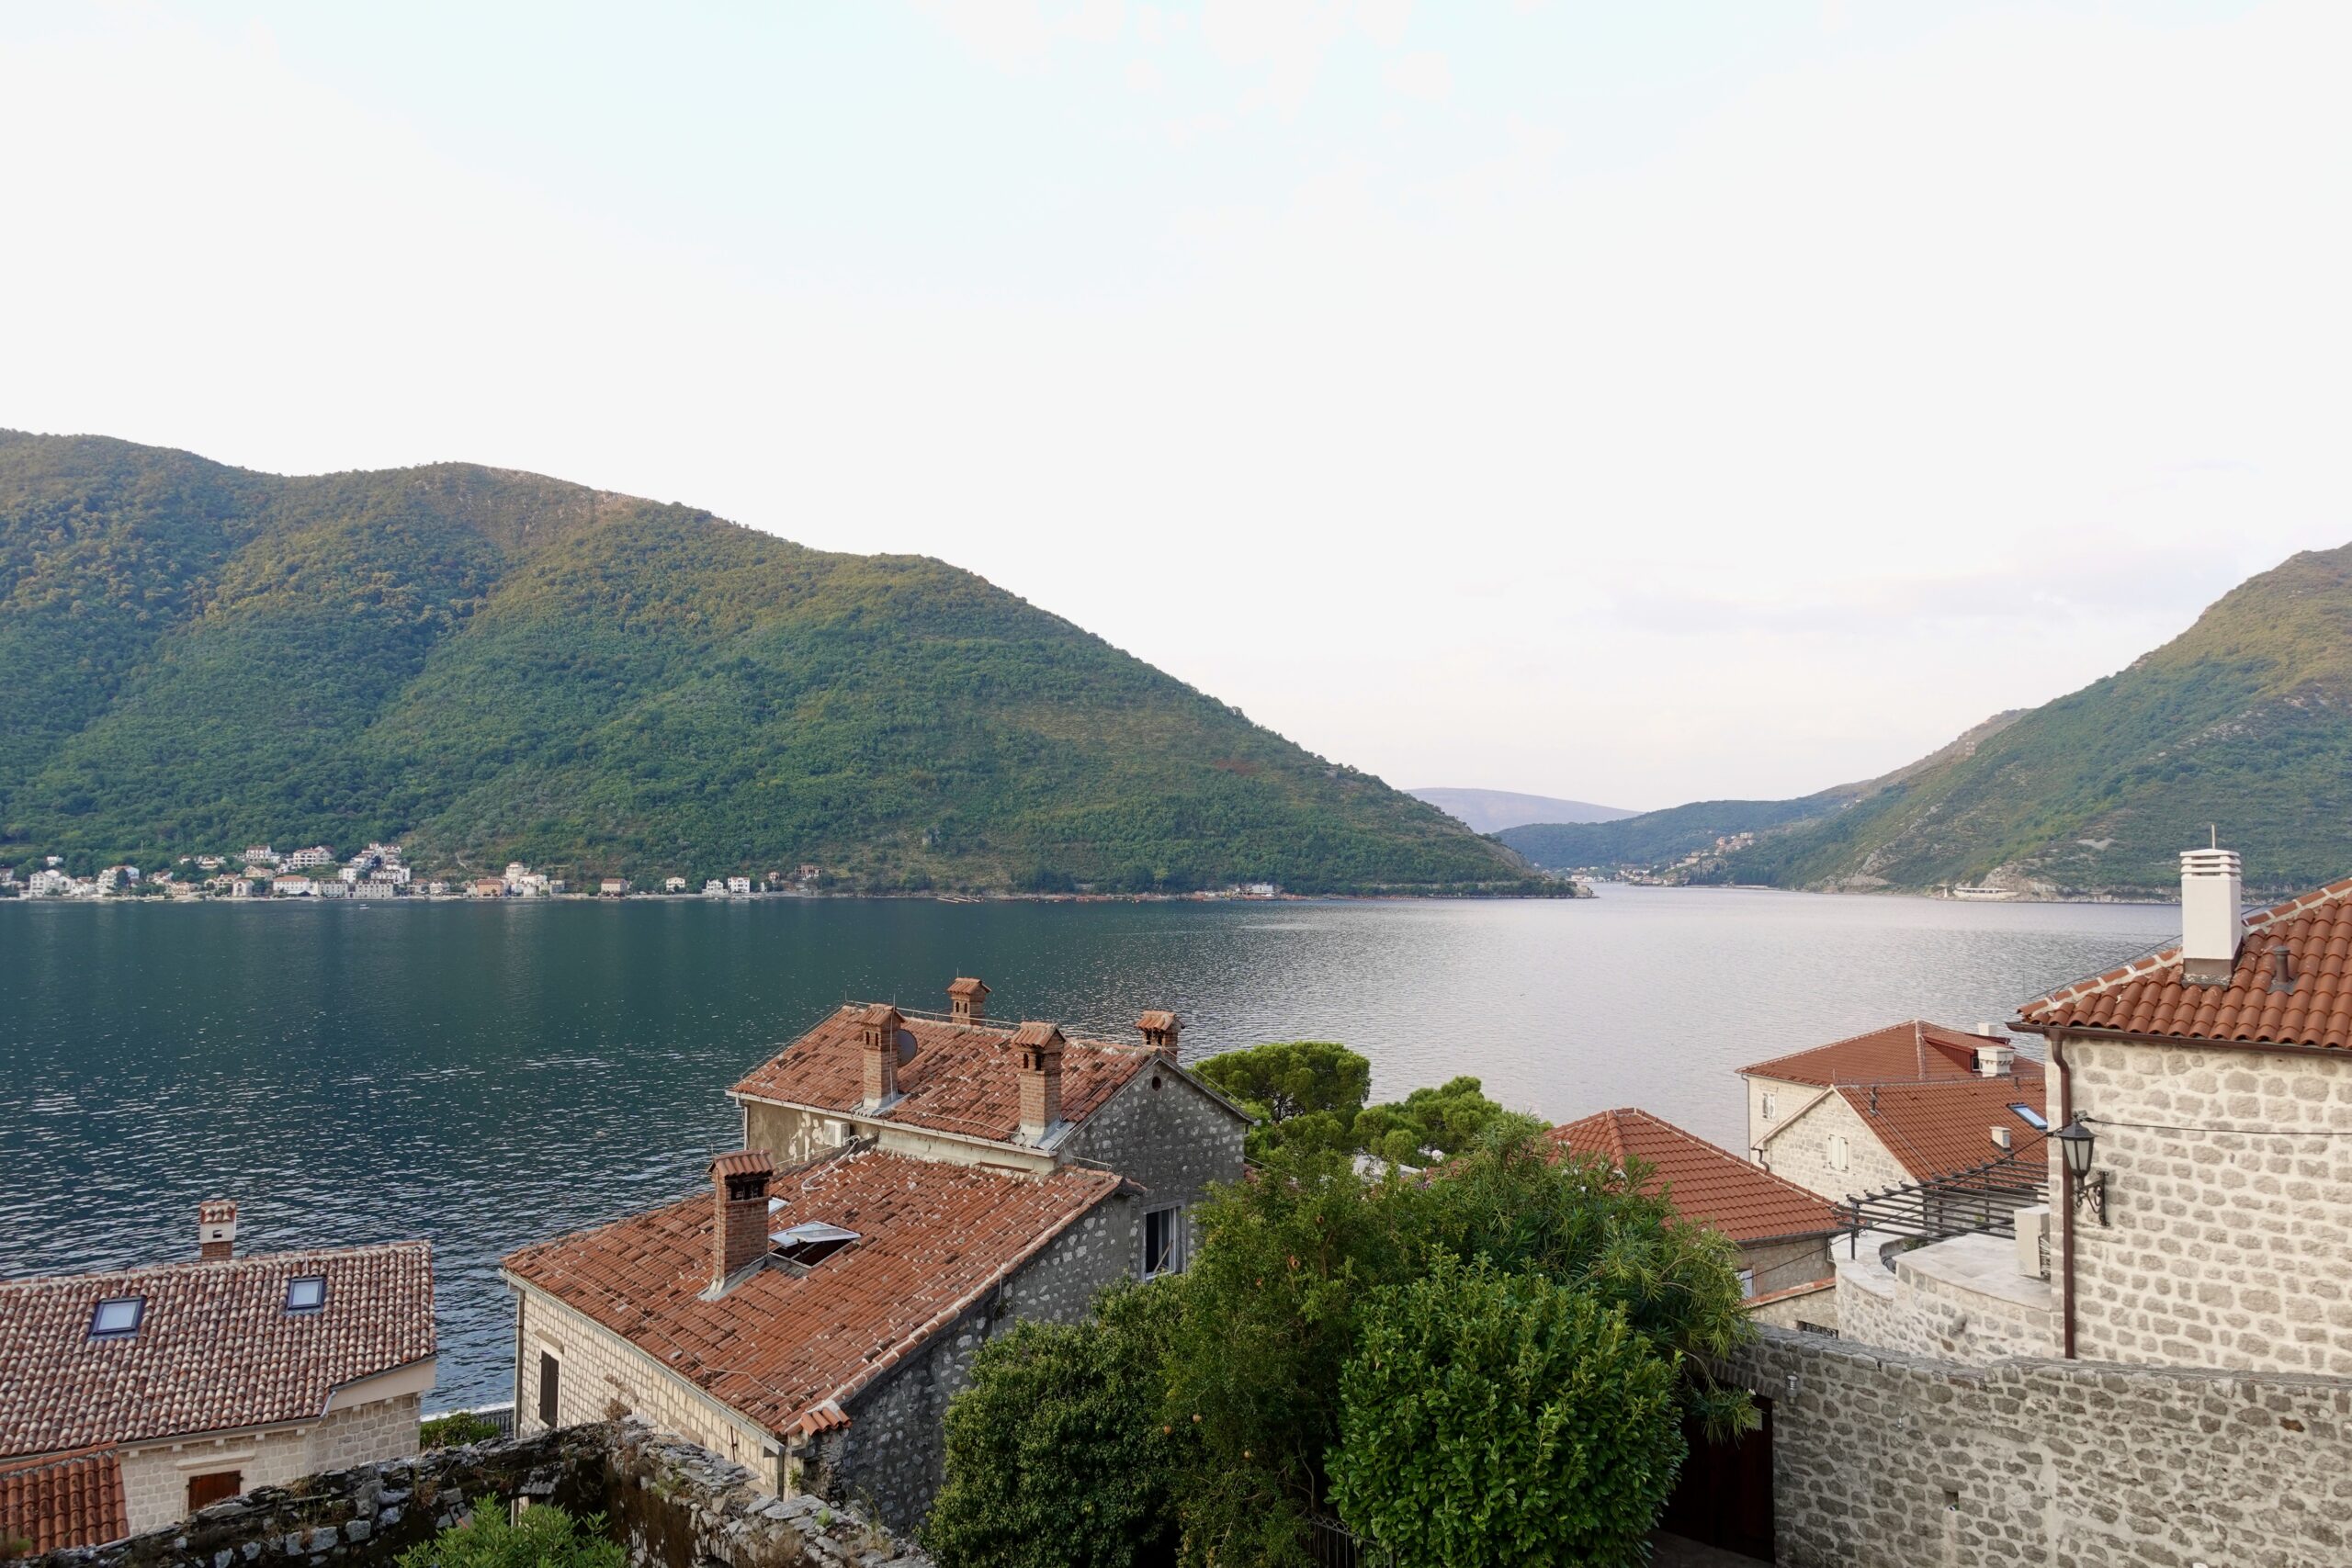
{"x": 1330, "y": 1544}
{"x": 1981, "y": 1200}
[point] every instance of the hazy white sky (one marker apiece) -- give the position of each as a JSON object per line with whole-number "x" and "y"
{"x": 1633, "y": 402}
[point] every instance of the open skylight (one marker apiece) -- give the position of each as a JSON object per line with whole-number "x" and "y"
{"x": 812, "y": 1242}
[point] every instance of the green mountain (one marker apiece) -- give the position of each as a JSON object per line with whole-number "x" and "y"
{"x": 491, "y": 665}
{"x": 2243, "y": 723}
{"x": 1688, "y": 838}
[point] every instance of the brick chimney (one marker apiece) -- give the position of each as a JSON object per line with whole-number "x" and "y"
{"x": 216, "y": 1230}
{"x": 1037, "y": 1049}
{"x": 877, "y": 1050}
{"x": 2210, "y": 924}
{"x": 739, "y": 1190}
{"x": 968, "y": 1000}
{"x": 1160, "y": 1031}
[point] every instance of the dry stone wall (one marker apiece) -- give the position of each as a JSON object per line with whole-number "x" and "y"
{"x": 1883, "y": 1458}
{"x": 671, "y": 1503}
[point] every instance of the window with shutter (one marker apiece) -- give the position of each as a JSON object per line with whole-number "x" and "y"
{"x": 218, "y": 1487}
{"x": 550, "y": 1389}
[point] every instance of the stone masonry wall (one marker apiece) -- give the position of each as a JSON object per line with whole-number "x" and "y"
{"x": 892, "y": 1457}
{"x": 600, "y": 1376}
{"x": 1913, "y": 1309}
{"x": 1881, "y": 1459}
{"x": 156, "y": 1478}
{"x": 1801, "y": 1152}
{"x": 1163, "y": 1134}
{"x": 1780, "y": 1264}
{"x": 1788, "y": 1099}
{"x": 670, "y": 1503}
{"x": 2222, "y": 1248}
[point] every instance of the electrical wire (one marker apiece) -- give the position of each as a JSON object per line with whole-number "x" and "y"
{"x": 2241, "y": 1132}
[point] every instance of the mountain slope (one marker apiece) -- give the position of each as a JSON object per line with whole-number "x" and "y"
{"x": 493, "y": 665}
{"x": 2243, "y": 721}
{"x": 1687, "y": 836}
{"x": 1492, "y": 810}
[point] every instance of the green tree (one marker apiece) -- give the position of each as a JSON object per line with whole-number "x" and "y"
{"x": 1440, "y": 1122}
{"x": 1498, "y": 1420}
{"x": 1304, "y": 1092}
{"x": 546, "y": 1537}
{"x": 1058, "y": 1454}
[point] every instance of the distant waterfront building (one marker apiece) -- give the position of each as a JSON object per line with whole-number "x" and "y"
{"x": 714, "y": 888}
{"x": 260, "y": 854}
{"x": 613, "y": 887}
{"x": 48, "y": 883}
{"x": 130, "y": 1399}
{"x": 738, "y": 887}
{"x": 674, "y": 884}
{"x": 486, "y": 887}
{"x": 303, "y": 860}
{"x": 117, "y": 878}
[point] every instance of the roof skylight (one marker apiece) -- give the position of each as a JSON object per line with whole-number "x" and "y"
{"x": 306, "y": 1293}
{"x": 118, "y": 1317}
{"x": 811, "y": 1242}
{"x": 2032, "y": 1118}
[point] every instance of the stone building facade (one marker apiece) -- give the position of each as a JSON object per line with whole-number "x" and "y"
{"x": 1882, "y": 1457}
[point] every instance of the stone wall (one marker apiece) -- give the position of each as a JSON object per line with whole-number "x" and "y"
{"x": 671, "y": 1503}
{"x": 1962, "y": 1299}
{"x": 1165, "y": 1134}
{"x": 156, "y": 1478}
{"x": 2228, "y": 1249}
{"x": 1788, "y": 1099}
{"x": 1779, "y": 1266}
{"x": 600, "y": 1376}
{"x": 892, "y": 1456}
{"x": 1800, "y": 1152}
{"x": 1883, "y": 1458}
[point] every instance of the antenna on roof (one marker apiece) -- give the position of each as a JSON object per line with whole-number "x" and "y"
{"x": 2215, "y": 830}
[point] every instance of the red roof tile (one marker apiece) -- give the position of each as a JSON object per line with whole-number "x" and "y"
{"x": 215, "y": 1347}
{"x": 2311, "y": 1006}
{"x": 69, "y": 1500}
{"x": 961, "y": 1078}
{"x": 1916, "y": 1051}
{"x": 780, "y": 1345}
{"x": 1707, "y": 1185}
{"x": 1935, "y": 1129}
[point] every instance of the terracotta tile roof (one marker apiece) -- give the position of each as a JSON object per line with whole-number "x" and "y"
{"x": 1709, "y": 1186}
{"x": 780, "y": 1346}
{"x": 70, "y": 1500}
{"x": 742, "y": 1162}
{"x": 960, "y": 1078}
{"x": 1935, "y": 1129}
{"x": 215, "y": 1347}
{"x": 1916, "y": 1051}
{"x": 2313, "y": 1005}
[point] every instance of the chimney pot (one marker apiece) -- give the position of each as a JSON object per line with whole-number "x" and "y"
{"x": 877, "y": 1048}
{"x": 2210, "y": 922}
{"x": 1160, "y": 1031}
{"x": 216, "y": 1230}
{"x": 1037, "y": 1053}
{"x": 738, "y": 1184}
{"x": 967, "y": 999}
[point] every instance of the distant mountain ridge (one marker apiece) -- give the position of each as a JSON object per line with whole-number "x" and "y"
{"x": 493, "y": 665}
{"x": 1492, "y": 810}
{"x": 2242, "y": 725}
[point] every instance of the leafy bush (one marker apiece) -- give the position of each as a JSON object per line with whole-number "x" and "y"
{"x": 1056, "y": 1453}
{"x": 546, "y": 1537}
{"x": 1504, "y": 1419}
{"x": 456, "y": 1429}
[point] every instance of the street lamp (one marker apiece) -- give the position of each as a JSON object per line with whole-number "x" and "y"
{"x": 2075, "y": 1141}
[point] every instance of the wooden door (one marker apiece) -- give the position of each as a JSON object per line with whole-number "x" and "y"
{"x": 1725, "y": 1496}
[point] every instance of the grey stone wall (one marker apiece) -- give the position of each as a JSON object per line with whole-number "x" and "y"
{"x": 1887, "y": 1459}
{"x": 1800, "y": 1151}
{"x": 1167, "y": 1136}
{"x": 2222, "y": 1248}
{"x": 892, "y": 1456}
{"x": 674, "y": 1506}
{"x": 1780, "y": 1264}
{"x": 1961, "y": 1299}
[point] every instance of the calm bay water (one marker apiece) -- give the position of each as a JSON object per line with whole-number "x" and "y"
{"x": 485, "y": 1076}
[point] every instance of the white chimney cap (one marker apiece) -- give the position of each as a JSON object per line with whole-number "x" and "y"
{"x": 2210, "y": 921}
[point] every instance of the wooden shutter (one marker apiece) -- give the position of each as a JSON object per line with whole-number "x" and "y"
{"x": 550, "y": 1390}
{"x": 203, "y": 1491}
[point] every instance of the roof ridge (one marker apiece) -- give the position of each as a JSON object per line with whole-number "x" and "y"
{"x": 243, "y": 1260}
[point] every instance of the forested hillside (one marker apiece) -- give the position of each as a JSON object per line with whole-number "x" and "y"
{"x": 492, "y": 666}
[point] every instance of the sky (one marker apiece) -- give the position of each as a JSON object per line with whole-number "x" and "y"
{"x": 1636, "y": 403}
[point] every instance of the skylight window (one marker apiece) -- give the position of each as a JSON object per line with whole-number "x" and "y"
{"x": 118, "y": 1317}
{"x": 2032, "y": 1118}
{"x": 811, "y": 1243}
{"x": 306, "y": 1293}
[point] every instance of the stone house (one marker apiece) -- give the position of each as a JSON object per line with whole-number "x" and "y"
{"x": 908, "y": 1188}
{"x": 1781, "y": 1230}
{"x": 1860, "y": 1138}
{"x": 2214, "y": 1078}
{"x": 131, "y": 1398}
{"x": 1781, "y": 1088}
